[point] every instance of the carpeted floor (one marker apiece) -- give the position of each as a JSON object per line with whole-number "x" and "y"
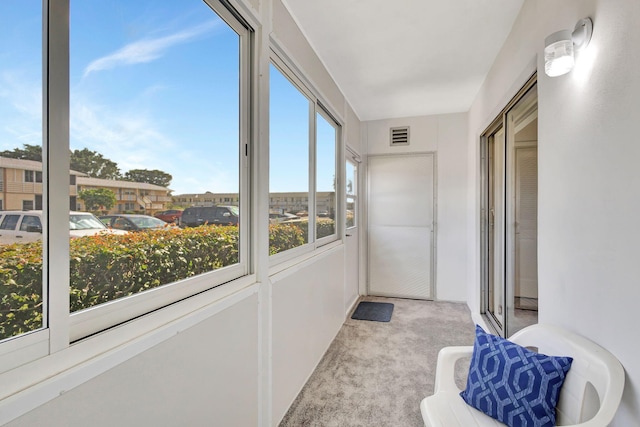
{"x": 376, "y": 374}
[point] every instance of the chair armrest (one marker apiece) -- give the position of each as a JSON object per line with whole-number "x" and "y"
{"x": 445, "y": 369}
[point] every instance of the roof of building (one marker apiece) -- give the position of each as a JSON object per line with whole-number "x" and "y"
{"x": 29, "y": 165}
{"x": 114, "y": 183}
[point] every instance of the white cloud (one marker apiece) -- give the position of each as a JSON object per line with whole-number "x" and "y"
{"x": 20, "y": 109}
{"x": 129, "y": 138}
{"x": 147, "y": 50}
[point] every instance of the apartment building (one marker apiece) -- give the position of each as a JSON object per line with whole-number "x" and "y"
{"x": 21, "y": 189}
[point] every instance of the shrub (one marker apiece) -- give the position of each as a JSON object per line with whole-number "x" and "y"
{"x": 284, "y": 236}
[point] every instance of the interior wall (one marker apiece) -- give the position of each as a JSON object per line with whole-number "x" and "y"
{"x": 308, "y": 312}
{"x": 446, "y": 135}
{"x": 206, "y": 375}
{"x": 287, "y": 32}
{"x": 588, "y": 175}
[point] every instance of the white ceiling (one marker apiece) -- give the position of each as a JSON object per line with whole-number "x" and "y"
{"x": 402, "y": 58}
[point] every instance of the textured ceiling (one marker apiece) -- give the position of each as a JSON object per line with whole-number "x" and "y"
{"x": 406, "y": 58}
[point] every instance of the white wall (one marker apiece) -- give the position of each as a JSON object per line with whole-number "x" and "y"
{"x": 589, "y": 179}
{"x": 308, "y": 311}
{"x": 206, "y": 375}
{"x": 446, "y": 135}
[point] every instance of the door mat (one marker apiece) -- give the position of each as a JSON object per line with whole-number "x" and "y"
{"x": 374, "y": 311}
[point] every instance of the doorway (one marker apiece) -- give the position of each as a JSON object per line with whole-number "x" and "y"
{"x": 401, "y": 218}
{"x": 509, "y": 156}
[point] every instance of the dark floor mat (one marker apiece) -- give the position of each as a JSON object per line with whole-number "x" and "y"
{"x": 374, "y": 311}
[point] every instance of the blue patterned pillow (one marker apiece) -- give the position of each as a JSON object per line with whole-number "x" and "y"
{"x": 513, "y": 384}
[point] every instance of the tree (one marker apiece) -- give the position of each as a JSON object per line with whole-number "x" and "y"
{"x": 98, "y": 198}
{"x": 94, "y": 164}
{"x": 29, "y": 152}
{"x": 155, "y": 176}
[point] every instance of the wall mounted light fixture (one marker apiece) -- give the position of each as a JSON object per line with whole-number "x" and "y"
{"x": 560, "y": 46}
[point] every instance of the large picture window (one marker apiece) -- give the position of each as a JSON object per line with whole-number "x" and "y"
{"x": 148, "y": 106}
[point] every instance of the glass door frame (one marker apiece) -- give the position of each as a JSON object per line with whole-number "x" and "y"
{"x": 497, "y": 125}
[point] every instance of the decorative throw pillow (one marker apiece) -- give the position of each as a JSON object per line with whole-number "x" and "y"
{"x": 513, "y": 384}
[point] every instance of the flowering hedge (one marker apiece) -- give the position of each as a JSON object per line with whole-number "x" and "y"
{"x": 107, "y": 267}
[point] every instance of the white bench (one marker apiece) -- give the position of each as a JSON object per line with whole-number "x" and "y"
{"x": 589, "y": 398}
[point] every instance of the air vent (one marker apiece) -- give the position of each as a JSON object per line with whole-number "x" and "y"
{"x": 400, "y": 136}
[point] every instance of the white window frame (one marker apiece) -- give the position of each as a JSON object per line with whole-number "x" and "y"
{"x": 316, "y": 106}
{"x": 63, "y": 328}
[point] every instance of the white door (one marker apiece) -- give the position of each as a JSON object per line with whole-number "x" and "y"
{"x": 401, "y": 225}
{"x": 352, "y": 238}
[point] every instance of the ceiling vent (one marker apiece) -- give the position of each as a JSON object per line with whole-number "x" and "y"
{"x": 399, "y": 136}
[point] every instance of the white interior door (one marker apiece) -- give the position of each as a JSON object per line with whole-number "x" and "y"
{"x": 401, "y": 225}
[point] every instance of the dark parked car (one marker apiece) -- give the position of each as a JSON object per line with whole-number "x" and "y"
{"x": 133, "y": 222}
{"x": 200, "y": 215}
{"x": 170, "y": 215}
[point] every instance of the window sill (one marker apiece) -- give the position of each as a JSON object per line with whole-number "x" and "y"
{"x": 276, "y": 268}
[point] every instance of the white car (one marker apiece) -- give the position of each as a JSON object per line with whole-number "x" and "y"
{"x": 26, "y": 226}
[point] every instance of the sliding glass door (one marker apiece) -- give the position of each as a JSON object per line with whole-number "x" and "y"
{"x": 509, "y": 168}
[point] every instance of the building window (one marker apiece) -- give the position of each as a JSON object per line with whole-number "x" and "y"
{"x": 302, "y": 162}
{"x": 140, "y": 105}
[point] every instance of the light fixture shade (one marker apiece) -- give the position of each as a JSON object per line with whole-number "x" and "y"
{"x": 559, "y": 47}
{"x": 558, "y": 53}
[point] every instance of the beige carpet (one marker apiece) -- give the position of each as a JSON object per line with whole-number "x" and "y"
{"x": 376, "y": 374}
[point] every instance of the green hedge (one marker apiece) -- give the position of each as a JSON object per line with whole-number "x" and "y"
{"x": 107, "y": 267}
{"x": 324, "y": 227}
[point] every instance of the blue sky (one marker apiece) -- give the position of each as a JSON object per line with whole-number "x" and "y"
{"x": 153, "y": 86}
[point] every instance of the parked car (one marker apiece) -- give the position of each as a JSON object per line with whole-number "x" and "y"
{"x": 275, "y": 218}
{"x": 171, "y": 215}
{"x": 132, "y": 222}
{"x": 200, "y": 215}
{"x": 26, "y": 226}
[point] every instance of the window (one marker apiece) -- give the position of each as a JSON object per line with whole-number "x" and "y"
{"x": 289, "y": 111}
{"x": 303, "y": 144}
{"x": 326, "y": 204}
{"x": 158, "y": 99}
{"x": 9, "y": 222}
{"x": 351, "y": 193}
{"x": 30, "y": 221}
{"x": 158, "y": 105}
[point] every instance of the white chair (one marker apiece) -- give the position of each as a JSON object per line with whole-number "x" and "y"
{"x": 589, "y": 397}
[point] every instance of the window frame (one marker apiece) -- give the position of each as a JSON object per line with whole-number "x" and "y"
{"x": 61, "y": 329}
{"x": 316, "y": 106}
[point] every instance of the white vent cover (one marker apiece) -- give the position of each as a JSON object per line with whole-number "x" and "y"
{"x": 399, "y": 136}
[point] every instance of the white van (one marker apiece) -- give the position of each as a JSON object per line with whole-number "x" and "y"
{"x": 26, "y": 226}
